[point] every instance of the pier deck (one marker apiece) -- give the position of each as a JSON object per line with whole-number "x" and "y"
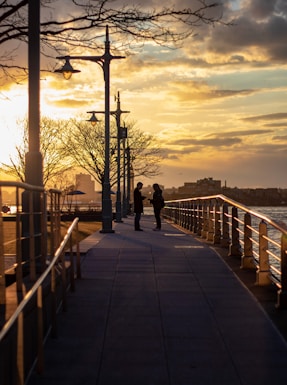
{"x": 160, "y": 308}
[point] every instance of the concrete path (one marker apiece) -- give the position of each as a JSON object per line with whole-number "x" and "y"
{"x": 160, "y": 308}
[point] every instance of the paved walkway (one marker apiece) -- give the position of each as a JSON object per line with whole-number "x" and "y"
{"x": 160, "y": 308}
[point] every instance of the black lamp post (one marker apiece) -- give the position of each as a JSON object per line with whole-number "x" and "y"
{"x": 121, "y": 134}
{"x": 104, "y": 61}
{"x": 33, "y": 157}
{"x": 33, "y": 161}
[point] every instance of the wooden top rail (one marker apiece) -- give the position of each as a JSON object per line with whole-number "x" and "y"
{"x": 240, "y": 206}
{"x": 24, "y": 186}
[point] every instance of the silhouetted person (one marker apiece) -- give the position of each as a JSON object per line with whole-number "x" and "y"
{"x": 158, "y": 203}
{"x": 138, "y": 205}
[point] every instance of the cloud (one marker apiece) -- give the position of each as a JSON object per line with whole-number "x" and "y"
{"x": 262, "y": 9}
{"x": 241, "y": 133}
{"x": 256, "y": 35}
{"x": 283, "y": 124}
{"x": 280, "y": 137}
{"x": 274, "y": 116}
{"x": 211, "y": 142}
{"x": 70, "y": 103}
{"x": 199, "y": 90}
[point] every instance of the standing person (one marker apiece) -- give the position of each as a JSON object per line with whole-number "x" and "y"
{"x": 158, "y": 203}
{"x": 138, "y": 205}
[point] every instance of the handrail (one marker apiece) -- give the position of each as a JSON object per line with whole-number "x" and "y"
{"x": 209, "y": 218}
{"x": 36, "y": 252}
{"x": 22, "y": 185}
{"x": 27, "y": 231}
{"x": 39, "y": 282}
{"x": 37, "y": 289}
{"x": 235, "y": 204}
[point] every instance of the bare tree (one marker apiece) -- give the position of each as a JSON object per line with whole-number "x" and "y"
{"x": 69, "y": 145}
{"x": 55, "y": 157}
{"x": 86, "y": 145}
{"x": 85, "y": 19}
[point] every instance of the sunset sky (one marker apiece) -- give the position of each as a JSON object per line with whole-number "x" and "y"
{"x": 217, "y": 105}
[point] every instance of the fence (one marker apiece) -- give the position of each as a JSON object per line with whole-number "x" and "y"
{"x": 30, "y": 238}
{"x": 260, "y": 242}
{"x": 24, "y": 228}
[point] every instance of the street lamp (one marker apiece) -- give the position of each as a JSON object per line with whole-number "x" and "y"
{"x": 93, "y": 119}
{"x": 121, "y": 134}
{"x": 33, "y": 157}
{"x": 104, "y": 61}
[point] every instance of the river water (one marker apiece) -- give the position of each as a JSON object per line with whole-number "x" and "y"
{"x": 276, "y": 213}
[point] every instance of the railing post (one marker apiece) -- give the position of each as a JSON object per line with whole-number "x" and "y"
{"x": 72, "y": 266}
{"x": 217, "y": 232}
{"x": 40, "y": 355}
{"x": 32, "y": 251}
{"x": 177, "y": 213}
{"x": 210, "y": 233}
{"x": 64, "y": 282}
{"x": 53, "y": 303}
{"x": 79, "y": 272}
{"x": 247, "y": 260}
{"x": 263, "y": 272}
{"x": 20, "y": 350}
{"x": 19, "y": 267}
{"x": 173, "y": 212}
{"x": 44, "y": 236}
{"x": 204, "y": 230}
{"x": 184, "y": 216}
{"x": 199, "y": 219}
{"x": 225, "y": 240}
{"x": 188, "y": 222}
{"x": 193, "y": 222}
{"x": 169, "y": 211}
{"x": 191, "y": 216}
{"x": 234, "y": 248}
{"x": 282, "y": 293}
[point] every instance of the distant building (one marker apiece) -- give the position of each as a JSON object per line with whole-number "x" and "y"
{"x": 247, "y": 196}
{"x": 202, "y": 187}
{"x": 85, "y": 184}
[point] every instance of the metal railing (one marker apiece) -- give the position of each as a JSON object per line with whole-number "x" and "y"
{"x": 260, "y": 242}
{"x": 16, "y": 328}
{"x": 30, "y": 238}
{"x": 24, "y": 230}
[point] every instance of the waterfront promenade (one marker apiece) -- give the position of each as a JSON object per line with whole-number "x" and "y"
{"x": 160, "y": 308}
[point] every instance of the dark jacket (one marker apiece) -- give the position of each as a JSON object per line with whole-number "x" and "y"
{"x": 157, "y": 200}
{"x": 138, "y": 201}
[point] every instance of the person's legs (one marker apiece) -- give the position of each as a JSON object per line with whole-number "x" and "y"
{"x": 157, "y": 218}
{"x": 137, "y": 221}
